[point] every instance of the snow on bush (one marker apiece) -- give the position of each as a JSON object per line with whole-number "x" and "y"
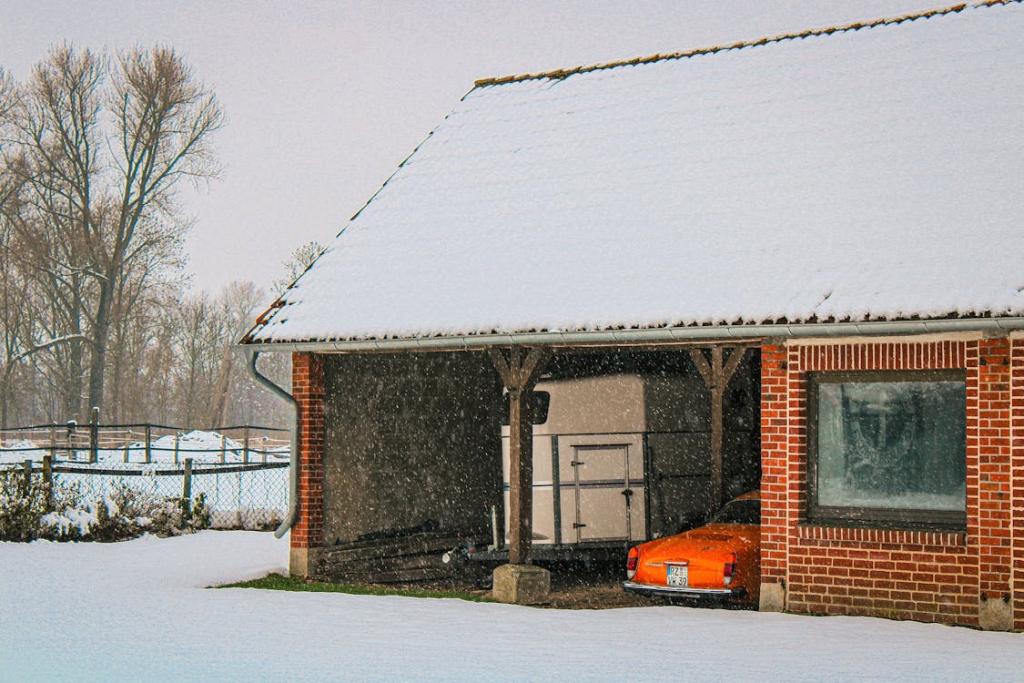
{"x": 21, "y": 507}
{"x": 30, "y": 508}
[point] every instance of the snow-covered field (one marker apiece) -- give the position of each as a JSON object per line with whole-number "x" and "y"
{"x": 201, "y": 446}
{"x": 138, "y": 611}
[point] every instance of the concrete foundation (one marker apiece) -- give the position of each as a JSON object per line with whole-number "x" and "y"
{"x": 302, "y": 562}
{"x": 773, "y": 597}
{"x": 995, "y": 614}
{"x": 522, "y": 584}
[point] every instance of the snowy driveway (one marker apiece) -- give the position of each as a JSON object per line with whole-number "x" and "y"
{"x": 136, "y": 611}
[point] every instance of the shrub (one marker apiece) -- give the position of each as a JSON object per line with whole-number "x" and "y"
{"x": 23, "y": 501}
{"x": 31, "y": 508}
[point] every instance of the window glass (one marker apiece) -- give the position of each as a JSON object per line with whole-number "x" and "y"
{"x": 898, "y": 445}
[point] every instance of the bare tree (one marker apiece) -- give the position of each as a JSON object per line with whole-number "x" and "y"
{"x": 197, "y": 356}
{"x": 238, "y": 303}
{"x": 297, "y": 264}
{"x": 106, "y": 144}
{"x": 23, "y": 332}
{"x": 164, "y": 119}
{"x": 92, "y": 151}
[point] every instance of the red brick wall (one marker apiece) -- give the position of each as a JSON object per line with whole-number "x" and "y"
{"x": 928, "y": 576}
{"x": 778, "y": 488}
{"x": 1017, "y": 478}
{"x": 308, "y": 390}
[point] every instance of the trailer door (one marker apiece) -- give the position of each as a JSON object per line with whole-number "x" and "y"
{"x": 609, "y": 502}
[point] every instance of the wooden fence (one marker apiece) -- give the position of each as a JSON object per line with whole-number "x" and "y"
{"x": 144, "y": 443}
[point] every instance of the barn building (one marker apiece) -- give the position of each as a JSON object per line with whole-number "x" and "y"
{"x": 820, "y": 233}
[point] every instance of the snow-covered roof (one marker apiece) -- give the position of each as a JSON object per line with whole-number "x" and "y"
{"x": 865, "y": 173}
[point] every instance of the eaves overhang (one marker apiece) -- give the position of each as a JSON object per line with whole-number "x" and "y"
{"x": 633, "y": 336}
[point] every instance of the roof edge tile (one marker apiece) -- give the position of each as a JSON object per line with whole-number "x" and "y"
{"x": 558, "y": 74}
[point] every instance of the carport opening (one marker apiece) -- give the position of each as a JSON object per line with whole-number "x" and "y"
{"x": 416, "y": 457}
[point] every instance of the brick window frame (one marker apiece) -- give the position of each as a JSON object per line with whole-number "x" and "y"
{"x": 886, "y": 518}
{"x": 923, "y": 575}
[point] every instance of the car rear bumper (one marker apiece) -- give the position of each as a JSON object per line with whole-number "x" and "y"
{"x": 672, "y": 591}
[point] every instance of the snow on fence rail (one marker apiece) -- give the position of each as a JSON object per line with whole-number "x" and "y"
{"x": 143, "y": 443}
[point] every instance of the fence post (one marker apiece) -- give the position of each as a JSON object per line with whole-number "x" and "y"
{"x": 94, "y": 435}
{"x": 238, "y": 506}
{"x": 176, "y": 437}
{"x": 48, "y": 480}
{"x": 186, "y": 491}
{"x": 245, "y": 445}
{"x": 149, "y": 438}
{"x": 69, "y": 436}
{"x": 223, "y": 449}
{"x": 27, "y": 465}
{"x": 127, "y": 452}
{"x": 186, "y": 482}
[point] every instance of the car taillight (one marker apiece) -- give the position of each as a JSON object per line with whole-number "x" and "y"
{"x": 632, "y": 562}
{"x": 729, "y": 570}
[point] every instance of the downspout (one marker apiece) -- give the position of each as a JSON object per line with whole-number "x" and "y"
{"x": 293, "y": 433}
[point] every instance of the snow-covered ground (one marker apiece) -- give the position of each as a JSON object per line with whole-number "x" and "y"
{"x": 139, "y": 611}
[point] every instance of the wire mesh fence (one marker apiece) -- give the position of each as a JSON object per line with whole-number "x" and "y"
{"x": 240, "y": 473}
{"x": 244, "y": 496}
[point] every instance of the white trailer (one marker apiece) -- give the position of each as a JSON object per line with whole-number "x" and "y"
{"x": 616, "y": 459}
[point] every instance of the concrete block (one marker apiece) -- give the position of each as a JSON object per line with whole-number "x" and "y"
{"x": 521, "y": 584}
{"x": 773, "y": 597}
{"x": 302, "y": 562}
{"x": 995, "y": 614}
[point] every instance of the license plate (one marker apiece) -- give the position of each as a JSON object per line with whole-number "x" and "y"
{"x": 678, "y": 575}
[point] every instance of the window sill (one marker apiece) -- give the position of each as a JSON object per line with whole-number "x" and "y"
{"x": 818, "y": 531}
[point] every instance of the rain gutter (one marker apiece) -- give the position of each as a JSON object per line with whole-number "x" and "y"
{"x": 652, "y": 335}
{"x": 251, "y": 355}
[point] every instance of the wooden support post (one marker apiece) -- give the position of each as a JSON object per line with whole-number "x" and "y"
{"x": 177, "y": 438}
{"x": 245, "y": 445}
{"x": 27, "y": 467}
{"x": 149, "y": 439}
{"x": 223, "y": 449}
{"x": 519, "y": 374}
{"x": 520, "y": 475}
{"x": 716, "y": 377}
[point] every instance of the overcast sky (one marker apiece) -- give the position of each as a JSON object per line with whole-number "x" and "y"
{"x": 325, "y": 99}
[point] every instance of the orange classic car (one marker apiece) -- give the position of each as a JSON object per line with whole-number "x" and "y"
{"x": 720, "y": 560}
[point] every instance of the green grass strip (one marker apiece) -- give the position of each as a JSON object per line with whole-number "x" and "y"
{"x": 279, "y": 582}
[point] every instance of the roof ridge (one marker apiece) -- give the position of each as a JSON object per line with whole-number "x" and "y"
{"x": 659, "y": 57}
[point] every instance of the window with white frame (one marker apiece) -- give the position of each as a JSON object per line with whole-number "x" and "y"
{"x": 887, "y": 448}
